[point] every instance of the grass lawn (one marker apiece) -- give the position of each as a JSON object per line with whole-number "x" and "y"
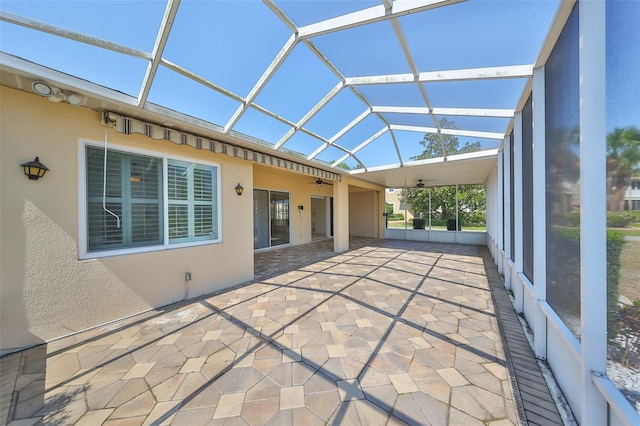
{"x": 401, "y": 224}
{"x": 629, "y": 232}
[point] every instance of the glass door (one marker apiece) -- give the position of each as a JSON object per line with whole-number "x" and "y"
{"x": 271, "y": 218}
{"x": 279, "y": 218}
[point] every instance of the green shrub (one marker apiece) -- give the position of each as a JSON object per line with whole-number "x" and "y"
{"x": 619, "y": 219}
{"x": 475, "y": 217}
{"x": 396, "y": 216}
{"x": 615, "y": 242}
{"x": 572, "y": 219}
{"x": 564, "y": 270}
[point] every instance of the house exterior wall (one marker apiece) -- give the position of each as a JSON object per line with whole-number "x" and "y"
{"x": 362, "y": 219}
{"x": 392, "y": 196}
{"x": 300, "y": 188}
{"x": 46, "y": 291}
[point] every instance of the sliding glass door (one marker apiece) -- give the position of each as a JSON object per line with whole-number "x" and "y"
{"x": 271, "y": 215}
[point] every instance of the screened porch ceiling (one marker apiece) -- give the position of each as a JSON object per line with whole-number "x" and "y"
{"x": 347, "y": 86}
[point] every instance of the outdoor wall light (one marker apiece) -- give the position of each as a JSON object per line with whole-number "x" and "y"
{"x": 34, "y": 169}
{"x": 239, "y": 189}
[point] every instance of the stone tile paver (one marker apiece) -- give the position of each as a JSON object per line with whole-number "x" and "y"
{"x": 291, "y": 397}
{"x": 230, "y": 405}
{"x": 138, "y": 370}
{"x": 387, "y": 333}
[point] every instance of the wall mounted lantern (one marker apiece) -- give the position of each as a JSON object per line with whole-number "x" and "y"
{"x": 34, "y": 169}
{"x": 239, "y": 189}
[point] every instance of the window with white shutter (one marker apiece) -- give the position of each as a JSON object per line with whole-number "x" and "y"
{"x": 140, "y": 202}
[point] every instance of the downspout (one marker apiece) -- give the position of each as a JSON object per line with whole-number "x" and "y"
{"x": 107, "y": 120}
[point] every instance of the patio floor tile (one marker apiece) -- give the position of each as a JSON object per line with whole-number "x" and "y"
{"x": 391, "y": 332}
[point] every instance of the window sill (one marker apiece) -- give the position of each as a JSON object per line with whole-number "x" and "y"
{"x": 84, "y": 255}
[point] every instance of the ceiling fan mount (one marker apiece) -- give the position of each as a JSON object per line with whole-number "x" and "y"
{"x": 319, "y": 182}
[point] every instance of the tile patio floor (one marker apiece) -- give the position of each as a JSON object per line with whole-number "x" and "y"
{"x": 391, "y": 332}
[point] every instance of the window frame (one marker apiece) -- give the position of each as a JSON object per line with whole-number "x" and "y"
{"x": 83, "y": 232}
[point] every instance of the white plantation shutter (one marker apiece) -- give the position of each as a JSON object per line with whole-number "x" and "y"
{"x": 192, "y": 202}
{"x": 134, "y": 196}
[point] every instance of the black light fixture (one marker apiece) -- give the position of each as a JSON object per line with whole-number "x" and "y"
{"x": 34, "y": 169}
{"x": 239, "y": 189}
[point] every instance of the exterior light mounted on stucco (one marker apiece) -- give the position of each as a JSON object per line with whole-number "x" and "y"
{"x": 239, "y": 189}
{"x": 55, "y": 94}
{"x": 34, "y": 169}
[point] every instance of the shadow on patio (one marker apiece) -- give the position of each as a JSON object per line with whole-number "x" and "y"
{"x": 389, "y": 332}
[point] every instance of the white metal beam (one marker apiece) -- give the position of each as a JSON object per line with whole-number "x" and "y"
{"x": 201, "y": 80}
{"x": 340, "y": 133}
{"x": 273, "y": 115}
{"x": 472, "y": 112}
{"x": 454, "y": 132}
{"x": 414, "y": 70}
{"x": 313, "y": 111}
{"x": 350, "y": 126}
{"x": 513, "y": 71}
{"x": 284, "y": 52}
{"x": 362, "y": 145}
{"x": 71, "y": 35}
{"x": 370, "y": 139}
{"x": 340, "y": 160}
{"x": 401, "y": 110}
{"x": 420, "y": 129}
{"x": 395, "y": 145}
{"x": 158, "y": 49}
{"x": 473, "y": 134}
{"x": 370, "y": 15}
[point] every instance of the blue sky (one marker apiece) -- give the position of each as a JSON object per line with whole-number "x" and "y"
{"x": 231, "y": 43}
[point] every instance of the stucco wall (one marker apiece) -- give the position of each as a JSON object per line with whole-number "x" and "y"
{"x": 46, "y": 291}
{"x": 363, "y": 214}
{"x": 300, "y": 188}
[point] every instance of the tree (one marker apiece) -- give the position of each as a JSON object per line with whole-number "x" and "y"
{"x": 342, "y": 165}
{"x": 623, "y": 161}
{"x": 433, "y": 148}
{"x": 471, "y": 198}
{"x": 471, "y": 202}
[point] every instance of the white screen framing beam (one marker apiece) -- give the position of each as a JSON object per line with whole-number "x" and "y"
{"x": 370, "y": 15}
{"x": 158, "y": 49}
{"x": 340, "y": 133}
{"x": 513, "y": 71}
{"x": 453, "y": 132}
{"x": 71, "y": 35}
{"x": 313, "y": 111}
{"x": 470, "y": 112}
{"x": 284, "y": 52}
{"x": 362, "y": 145}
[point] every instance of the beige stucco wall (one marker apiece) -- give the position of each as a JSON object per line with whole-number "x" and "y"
{"x": 300, "y": 188}
{"x": 363, "y": 214}
{"x": 45, "y": 290}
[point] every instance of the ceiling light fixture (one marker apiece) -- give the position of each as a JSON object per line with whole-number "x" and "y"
{"x": 74, "y": 99}
{"x": 42, "y": 88}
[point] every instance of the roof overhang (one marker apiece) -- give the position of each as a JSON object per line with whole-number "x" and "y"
{"x": 461, "y": 169}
